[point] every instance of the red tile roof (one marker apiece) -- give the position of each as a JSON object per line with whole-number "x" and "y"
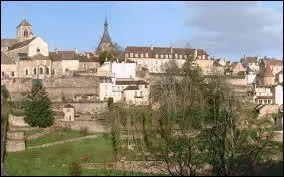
{"x": 273, "y": 62}
{"x": 268, "y": 72}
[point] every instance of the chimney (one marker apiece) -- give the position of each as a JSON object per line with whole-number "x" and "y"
{"x": 152, "y": 47}
{"x": 55, "y": 50}
{"x": 75, "y": 50}
{"x": 88, "y": 55}
{"x": 171, "y": 49}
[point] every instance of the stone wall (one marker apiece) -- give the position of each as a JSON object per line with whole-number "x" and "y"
{"x": 15, "y": 135}
{"x": 17, "y": 121}
{"x": 15, "y": 145}
{"x": 90, "y": 126}
{"x": 237, "y": 81}
{"x": 83, "y": 108}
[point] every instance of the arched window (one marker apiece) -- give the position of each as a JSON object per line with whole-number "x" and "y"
{"x": 47, "y": 70}
{"x": 26, "y": 33}
{"x": 34, "y": 71}
{"x": 27, "y": 71}
{"x": 40, "y": 70}
{"x": 37, "y": 50}
{"x": 3, "y": 73}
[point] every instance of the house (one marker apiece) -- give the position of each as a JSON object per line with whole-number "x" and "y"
{"x": 250, "y": 62}
{"x": 153, "y": 58}
{"x": 278, "y": 94}
{"x": 279, "y": 77}
{"x": 250, "y": 76}
{"x": 119, "y": 69}
{"x": 264, "y": 95}
{"x": 69, "y": 112}
{"x": 137, "y": 93}
{"x": 235, "y": 68}
{"x": 221, "y": 61}
{"x": 8, "y": 66}
{"x": 105, "y": 88}
{"x": 267, "y": 77}
{"x": 218, "y": 68}
{"x": 265, "y": 110}
{"x": 276, "y": 65}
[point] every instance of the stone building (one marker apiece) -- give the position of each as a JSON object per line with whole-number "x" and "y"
{"x": 235, "y": 68}
{"x": 105, "y": 43}
{"x": 69, "y": 112}
{"x": 276, "y": 65}
{"x": 136, "y": 93}
{"x": 250, "y": 62}
{"x": 267, "y": 77}
{"x": 154, "y": 58}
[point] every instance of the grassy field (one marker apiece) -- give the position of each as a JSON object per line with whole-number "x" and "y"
{"x": 55, "y": 160}
{"x": 60, "y": 135}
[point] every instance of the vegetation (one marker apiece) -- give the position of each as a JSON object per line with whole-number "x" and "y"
{"x": 116, "y": 53}
{"x": 54, "y": 160}
{"x": 37, "y": 107}
{"x": 197, "y": 125}
{"x": 105, "y": 56}
{"x": 75, "y": 169}
{"x": 55, "y": 136}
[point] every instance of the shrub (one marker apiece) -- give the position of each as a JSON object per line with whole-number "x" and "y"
{"x": 75, "y": 169}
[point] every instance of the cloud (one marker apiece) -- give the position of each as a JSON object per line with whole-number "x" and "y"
{"x": 235, "y": 28}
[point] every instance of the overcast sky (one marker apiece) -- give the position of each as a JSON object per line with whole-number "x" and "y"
{"x": 224, "y": 29}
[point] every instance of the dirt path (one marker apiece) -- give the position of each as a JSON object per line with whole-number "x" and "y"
{"x": 64, "y": 141}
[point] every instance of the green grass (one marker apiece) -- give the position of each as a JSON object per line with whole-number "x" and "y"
{"x": 60, "y": 135}
{"x": 54, "y": 160}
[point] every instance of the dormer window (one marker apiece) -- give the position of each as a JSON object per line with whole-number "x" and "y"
{"x": 176, "y": 55}
{"x": 162, "y": 56}
{"x": 170, "y": 56}
{"x": 166, "y": 56}
{"x": 156, "y": 56}
{"x": 141, "y": 55}
{"x": 146, "y": 55}
{"x": 136, "y": 55}
{"x": 126, "y": 55}
{"x": 131, "y": 54}
{"x": 203, "y": 57}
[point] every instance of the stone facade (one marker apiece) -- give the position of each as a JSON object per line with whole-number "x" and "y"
{"x": 17, "y": 121}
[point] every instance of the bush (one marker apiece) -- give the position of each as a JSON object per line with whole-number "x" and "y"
{"x": 75, "y": 169}
{"x": 37, "y": 107}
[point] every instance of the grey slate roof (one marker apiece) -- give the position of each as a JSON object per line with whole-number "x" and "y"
{"x": 21, "y": 44}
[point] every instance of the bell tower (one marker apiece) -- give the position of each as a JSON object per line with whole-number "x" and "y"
{"x": 24, "y": 30}
{"x": 105, "y": 43}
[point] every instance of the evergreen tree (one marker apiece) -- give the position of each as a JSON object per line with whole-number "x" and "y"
{"x": 37, "y": 107}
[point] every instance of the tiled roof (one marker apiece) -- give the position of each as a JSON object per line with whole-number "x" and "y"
{"x": 5, "y": 59}
{"x": 24, "y": 23}
{"x": 273, "y": 62}
{"x": 39, "y": 56}
{"x": 132, "y": 87}
{"x": 8, "y": 42}
{"x": 21, "y": 44}
{"x": 249, "y": 60}
{"x": 264, "y": 97}
{"x": 163, "y": 51}
{"x": 268, "y": 72}
{"x": 216, "y": 64}
{"x": 138, "y": 82}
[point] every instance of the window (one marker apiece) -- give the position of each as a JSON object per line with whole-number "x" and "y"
{"x": 3, "y": 73}
{"x": 136, "y": 55}
{"x": 131, "y": 54}
{"x": 135, "y": 93}
{"x": 13, "y": 74}
{"x": 126, "y": 55}
{"x": 156, "y": 56}
{"x": 166, "y": 56}
{"x": 146, "y": 86}
{"x": 40, "y": 70}
{"x": 27, "y": 71}
{"x": 37, "y": 50}
{"x": 85, "y": 66}
{"x": 162, "y": 56}
{"x": 35, "y": 71}
{"x": 203, "y": 57}
{"x": 140, "y": 93}
{"x": 170, "y": 56}
{"x": 26, "y": 33}
{"x": 176, "y": 55}
{"x": 141, "y": 55}
{"x": 199, "y": 57}
{"x": 146, "y": 55}
{"x": 47, "y": 70}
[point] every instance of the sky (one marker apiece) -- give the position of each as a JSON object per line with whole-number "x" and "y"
{"x": 224, "y": 29}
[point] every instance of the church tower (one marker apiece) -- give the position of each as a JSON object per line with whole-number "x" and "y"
{"x": 24, "y": 31}
{"x": 105, "y": 43}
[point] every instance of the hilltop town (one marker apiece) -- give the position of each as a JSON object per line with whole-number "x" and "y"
{"x": 80, "y": 85}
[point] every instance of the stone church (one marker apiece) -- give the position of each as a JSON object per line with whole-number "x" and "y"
{"x": 105, "y": 43}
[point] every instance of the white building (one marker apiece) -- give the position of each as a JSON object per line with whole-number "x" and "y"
{"x": 278, "y": 94}
{"x": 120, "y": 69}
{"x": 69, "y": 112}
{"x": 136, "y": 94}
{"x": 250, "y": 76}
{"x": 105, "y": 88}
{"x": 263, "y": 95}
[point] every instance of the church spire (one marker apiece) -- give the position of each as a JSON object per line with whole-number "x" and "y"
{"x": 105, "y": 24}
